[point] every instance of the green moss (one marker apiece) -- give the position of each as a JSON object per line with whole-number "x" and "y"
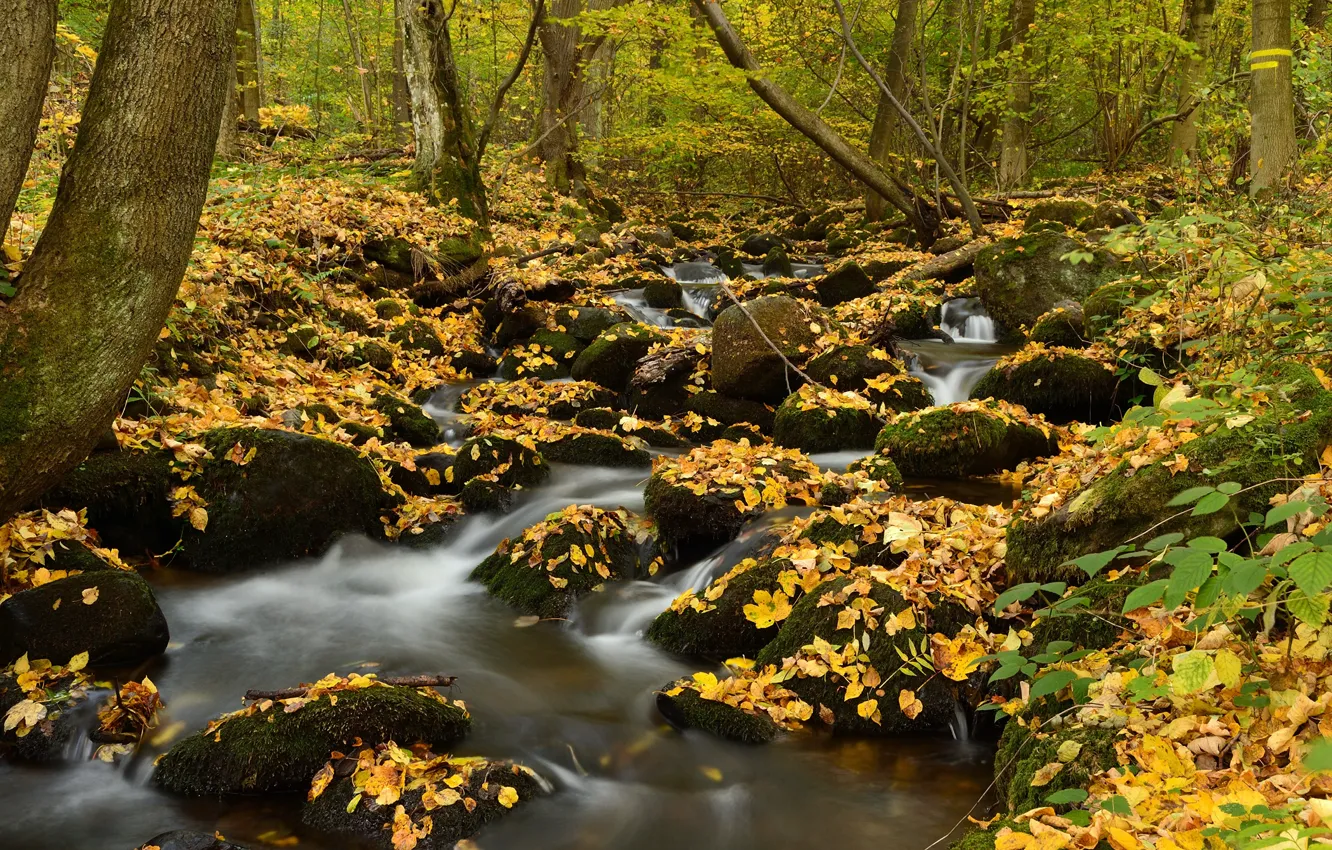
{"x": 479, "y": 496}
{"x": 587, "y": 323}
{"x": 416, "y": 334}
{"x": 1060, "y": 327}
{"x": 849, "y": 281}
{"x": 823, "y": 429}
{"x": 1021, "y": 279}
{"x": 1116, "y": 508}
{"x": 483, "y": 455}
{"x": 123, "y": 626}
{"x": 881, "y": 468}
{"x": 275, "y": 751}
{"x": 1068, "y": 213}
{"x": 731, "y": 411}
{"x": 595, "y": 450}
{"x": 407, "y": 422}
{"x": 389, "y": 308}
{"x": 449, "y": 824}
{"x": 126, "y": 494}
{"x": 559, "y": 347}
{"x": 598, "y": 417}
{"x": 1021, "y": 753}
{"x": 687, "y": 710}
{"x": 944, "y": 443}
{"x": 1095, "y": 625}
{"x": 723, "y": 632}
{"x": 663, "y": 294}
{"x": 47, "y": 742}
{"x": 984, "y": 839}
{"x": 1104, "y": 306}
{"x": 850, "y": 367}
{"x": 609, "y": 360}
{"x": 1064, "y": 388}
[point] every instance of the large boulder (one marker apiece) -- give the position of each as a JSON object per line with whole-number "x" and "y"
{"x": 126, "y": 495}
{"x": 968, "y": 438}
{"x": 1057, "y": 383}
{"x": 744, "y": 364}
{"x": 587, "y": 323}
{"x": 589, "y": 448}
{"x": 407, "y": 422}
{"x": 291, "y": 499}
{"x": 731, "y": 411}
{"x": 847, "y": 283}
{"x": 815, "y": 419}
{"x": 1107, "y": 304}
{"x": 1018, "y": 280}
{"x": 110, "y": 614}
{"x": 609, "y": 360}
{"x": 1065, "y": 213}
{"x": 562, "y": 558}
{"x": 547, "y": 354}
{"x": 276, "y": 746}
{"x": 663, "y": 294}
{"x": 871, "y": 372}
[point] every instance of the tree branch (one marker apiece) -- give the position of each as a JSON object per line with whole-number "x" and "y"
{"x": 538, "y": 15}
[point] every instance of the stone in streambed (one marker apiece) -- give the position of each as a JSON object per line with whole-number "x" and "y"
{"x": 815, "y": 419}
{"x": 1019, "y": 280}
{"x": 587, "y": 323}
{"x": 968, "y": 438}
{"x": 515, "y": 463}
{"x": 609, "y": 360}
{"x": 723, "y": 631}
{"x": 595, "y": 450}
{"x": 277, "y": 751}
{"x": 110, "y": 614}
{"x": 407, "y": 422}
{"x": 48, "y": 740}
{"x": 1058, "y": 384}
{"x": 731, "y": 411}
{"x": 845, "y": 284}
{"x": 1063, "y": 326}
{"x": 186, "y": 839}
{"x": 688, "y": 710}
{"x": 663, "y": 294}
{"x": 744, "y": 365}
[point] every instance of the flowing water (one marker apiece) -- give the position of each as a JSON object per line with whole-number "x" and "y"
{"x": 951, "y": 370}
{"x": 574, "y": 700}
{"x": 699, "y": 282}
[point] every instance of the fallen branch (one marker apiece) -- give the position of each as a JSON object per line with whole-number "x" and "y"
{"x": 557, "y": 248}
{"x": 425, "y": 680}
{"x": 768, "y": 198}
{"x": 944, "y": 264}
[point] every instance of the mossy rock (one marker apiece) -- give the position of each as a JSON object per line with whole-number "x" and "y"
{"x": 416, "y": 335}
{"x": 49, "y": 740}
{"x": 520, "y": 324}
{"x": 880, "y": 467}
{"x": 823, "y": 428}
{"x": 609, "y": 360}
{"x": 127, "y": 496}
{"x": 1104, "y": 306}
{"x": 275, "y": 751}
{"x": 479, "y": 496}
{"x": 1062, "y": 326}
{"x": 873, "y": 373}
{"x": 373, "y": 355}
{"x": 478, "y": 364}
{"x": 389, "y": 308}
{"x": 407, "y": 422}
{"x": 304, "y": 342}
{"x": 122, "y": 625}
{"x": 71, "y": 556}
{"x": 847, "y": 283}
{"x": 598, "y": 417}
{"x": 960, "y": 440}
{"x": 360, "y": 432}
{"x": 663, "y": 294}
{"x": 1022, "y": 753}
{"x": 595, "y": 450}
{"x": 187, "y": 839}
{"x": 529, "y": 587}
{"x": 809, "y": 620}
{"x": 389, "y": 251}
{"x": 373, "y": 824}
{"x": 744, "y": 365}
{"x": 687, "y": 710}
{"x": 1019, "y": 280}
{"x": 1115, "y": 508}
{"x": 985, "y": 839}
{"x": 1063, "y": 387}
{"x": 731, "y": 411}
{"x": 291, "y": 500}
{"x": 725, "y": 631}
{"x": 547, "y": 354}
{"x": 483, "y": 455}
{"x": 1071, "y": 213}
{"x": 1095, "y": 625}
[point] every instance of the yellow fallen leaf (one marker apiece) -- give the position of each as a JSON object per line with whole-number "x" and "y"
{"x": 90, "y": 595}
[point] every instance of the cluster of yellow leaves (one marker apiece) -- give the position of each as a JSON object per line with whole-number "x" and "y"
{"x": 758, "y": 478}
{"x": 584, "y": 526}
{"x": 47, "y": 691}
{"x": 126, "y": 717}
{"x": 814, "y": 397}
{"x": 386, "y": 774}
{"x": 531, "y": 397}
{"x": 752, "y": 691}
{"x": 29, "y": 540}
{"x": 1040, "y": 351}
{"x": 535, "y": 431}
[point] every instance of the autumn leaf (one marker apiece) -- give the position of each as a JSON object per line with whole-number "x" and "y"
{"x": 910, "y": 705}
{"x": 507, "y": 796}
{"x": 25, "y": 712}
{"x": 90, "y": 595}
{"x": 768, "y": 608}
{"x": 1044, "y": 774}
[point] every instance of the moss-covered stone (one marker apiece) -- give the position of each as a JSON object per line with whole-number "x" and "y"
{"x": 687, "y": 710}
{"x": 373, "y": 824}
{"x": 960, "y": 440}
{"x": 985, "y": 839}
{"x": 407, "y": 422}
{"x": 291, "y": 500}
{"x": 1062, "y": 326}
{"x": 478, "y": 364}
{"x": 479, "y": 496}
{"x": 46, "y": 742}
{"x": 123, "y": 625}
{"x": 1282, "y": 444}
{"x": 520, "y": 573}
{"x": 389, "y": 308}
{"x": 744, "y": 365}
{"x": 1023, "y": 752}
{"x": 1070, "y": 213}
{"x": 417, "y": 335}
{"x": 848, "y": 282}
{"x": 806, "y": 423}
{"x": 187, "y": 839}
{"x": 486, "y": 455}
{"x": 595, "y": 450}
{"x": 1103, "y": 307}
{"x": 1019, "y": 280}
{"x": 1095, "y": 625}
{"x": 598, "y": 417}
{"x": 872, "y": 372}
{"x": 1061, "y": 386}
{"x": 663, "y": 294}
{"x": 731, "y": 411}
{"x": 880, "y": 467}
{"x": 127, "y": 498}
{"x": 276, "y": 751}
{"x": 723, "y": 632}
{"x": 546, "y": 354}
{"x": 609, "y": 360}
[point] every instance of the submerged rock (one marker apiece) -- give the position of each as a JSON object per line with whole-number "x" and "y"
{"x": 511, "y": 462}
{"x": 278, "y": 750}
{"x": 744, "y": 365}
{"x": 663, "y": 294}
{"x": 1019, "y": 280}
{"x": 1056, "y": 383}
{"x": 110, "y": 614}
{"x": 968, "y": 438}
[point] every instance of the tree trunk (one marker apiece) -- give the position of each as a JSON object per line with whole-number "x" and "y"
{"x": 228, "y": 134}
{"x": 887, "y": 136}
{"x": 1184, "y": 135}
{"x": 1271, "y": 100}
{"x": 1315, "y": 17}
{"x": 562, "y": 89}
{"x": 249, "y": 59}
{"x": 812, "y": 126}
{"x": 96, "y": 290}
{"x": 362, "y": 72}
{"x": 1013, "y": 164}
{"x": 27, "y": 48}
{"x": 402, "y": 98}
{"x": 448, "y": 166}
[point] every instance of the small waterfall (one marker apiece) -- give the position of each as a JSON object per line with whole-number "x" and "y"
{"x": 951, "y": 371}
{"x": 961, "y": 725}
{"x": 965, "y": 320}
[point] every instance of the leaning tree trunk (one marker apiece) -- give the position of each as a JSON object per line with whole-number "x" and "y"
{"x": 96, "y": 290}
{"x": 1184, "y": 135}
{"x": 888, "y": 136}
{"x": 27, "y": 48}
{"x": 562, "y": 89}
{"x": 249, "y": 59}
{"x": 448, "y": 164}
{"x": 1013, "y": 160}
{"x": 1272, "y": 99}
{"x": 228, "y": 134}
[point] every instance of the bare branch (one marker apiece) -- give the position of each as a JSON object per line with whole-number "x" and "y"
{"x": 538, "y": 15}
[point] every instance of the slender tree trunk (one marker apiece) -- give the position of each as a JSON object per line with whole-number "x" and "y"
{"x": 448, "y": 166}
{"x": 96, "y": 290}
{"x": 1013, "y": 163}
{"x": 812, "y": 126}
{"x": 228, "y": 134}
{"x": 362, "y": 72}
{"x": 249, "y": 59}
{"x": 27, "y": 48}
{"x": 1272, "y": 99}
{"x": 887, "y": 135}
{"x": 562, "y": 89}
{"x": 402, "y": 97}
{"x": 1315, "y": 17}
{"x": 1184, "y": 135}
